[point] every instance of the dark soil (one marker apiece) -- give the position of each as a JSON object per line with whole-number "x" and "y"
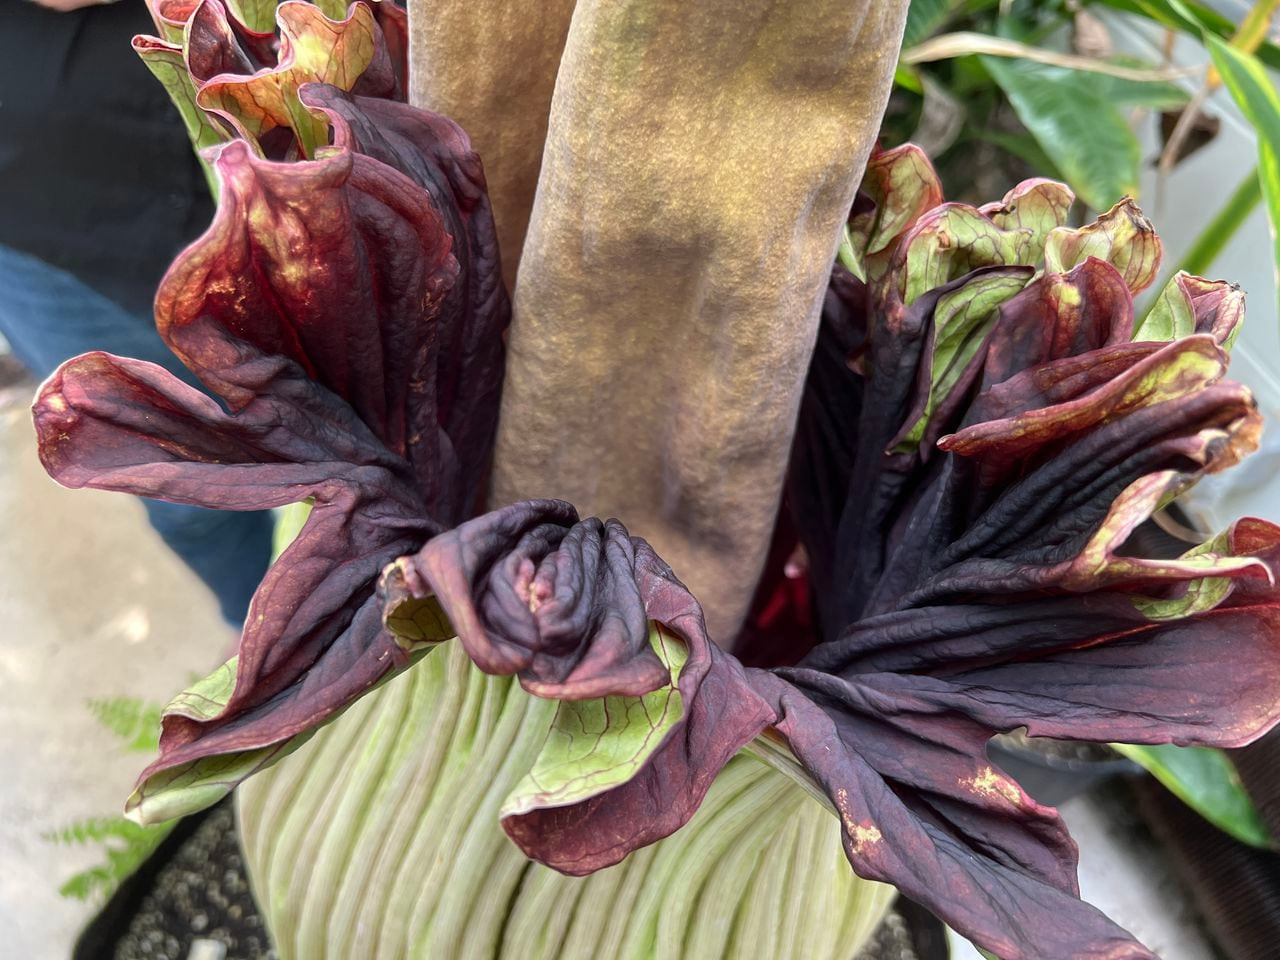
{"x": 201, "y": 893}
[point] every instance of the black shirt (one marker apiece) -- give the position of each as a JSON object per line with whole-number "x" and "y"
{"x": 96, "y": 173}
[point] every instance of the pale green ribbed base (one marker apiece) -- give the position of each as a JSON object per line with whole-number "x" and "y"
{"x": 379, "y": 840}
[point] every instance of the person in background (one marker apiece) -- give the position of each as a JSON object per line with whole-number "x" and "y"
{"x": 99, "y": 190}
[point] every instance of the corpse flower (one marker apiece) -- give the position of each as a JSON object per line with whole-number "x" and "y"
{"x": 983, "y": 427}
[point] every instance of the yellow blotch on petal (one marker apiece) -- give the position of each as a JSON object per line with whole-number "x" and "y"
{"x": 860, "y": 834}
{"x": 988, "y": 783}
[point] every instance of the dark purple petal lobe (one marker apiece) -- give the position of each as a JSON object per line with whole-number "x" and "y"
{"x": 532, "y": 590}
{"x": 348, "y": 310}
{"x": 722, "y": 712}
{"x": 130, "y": 426}
{"x": 436, "y": 154}
{"x": 1003, "y": 908}
{"x": 126, "y": 425}
{"x": 936, "y": 760}
{"x": 1059, "y": 315}
{"x": 1149, "y": 685}
{"x": 340, "y": 265}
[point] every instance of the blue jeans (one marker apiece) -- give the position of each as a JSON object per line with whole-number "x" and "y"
{"x": 49, "y": 316}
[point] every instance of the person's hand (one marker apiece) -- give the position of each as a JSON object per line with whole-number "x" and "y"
{"x": 64, "y": 5}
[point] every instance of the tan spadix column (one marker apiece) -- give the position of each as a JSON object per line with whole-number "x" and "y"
{"x": 490, "y": 65}
{"x": 700, "y": 157}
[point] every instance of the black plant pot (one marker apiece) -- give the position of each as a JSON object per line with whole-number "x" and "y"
{"x": 192, "y": 887}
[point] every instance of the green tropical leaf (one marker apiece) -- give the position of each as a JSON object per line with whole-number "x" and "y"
{"x": 1255, "y": 26}
{"x": 1205, "y": 780}
{"x": 1078, "y": 123}
{"x": 1021, "y": 145}
{"x": 1156, "y": 94}
{"x": 908, "y": 78}
{"x": 1255, "y": 94}
{"x": 1193, "y": 18}
{"x": 926, "y": 17}
{"x": 1188, "y": 17}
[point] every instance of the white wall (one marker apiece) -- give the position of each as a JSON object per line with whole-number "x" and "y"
{"x": 1193, "y": 194}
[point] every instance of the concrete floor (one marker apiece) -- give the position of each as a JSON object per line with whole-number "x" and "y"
{"x": 92, "y": 605}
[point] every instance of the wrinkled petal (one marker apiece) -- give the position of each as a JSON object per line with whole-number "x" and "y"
{"x": 1123, "y": 236}
{"x": 354, "y": 658}
{"x": 117, "y": 424}
{"x": 201, "y": 761}
{"x": 254, "y": 36}
{"x": 1057, "y": 316}
{"x": 1038, "y": 205}
{"x": 393, "y": 21}
{"x": 533, "y": 591}
{"x": 252, "y": 76}
{"x": 131, "y": 426}
{"x": 1189, "y": 305}
{"x": 210, "y": 45}
{"x": 436, "y": 154}
{"x": 1096, "y": 670}
{"x": 567, "y": 606}
{"x": 950, "y": 241}
{"x": 894, "y": 838}
{"x": 342, "y": 265}
{"x": 1234, "y": 572}
{"x": 937, "y": 757}
{"x": 826, "y": 440}
{"x": 1064, "y": 524}
{"x": 989, "y": 454}
{"x": 721, "y": 713}
{"x": 958, "y": 330}
{"x": 898, "y": 187}
{"x": 166, "y": 63}
{"x": 1149, "y": 685}
{"x": 319, "y": 307}
{"x": 171, "y": 16}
